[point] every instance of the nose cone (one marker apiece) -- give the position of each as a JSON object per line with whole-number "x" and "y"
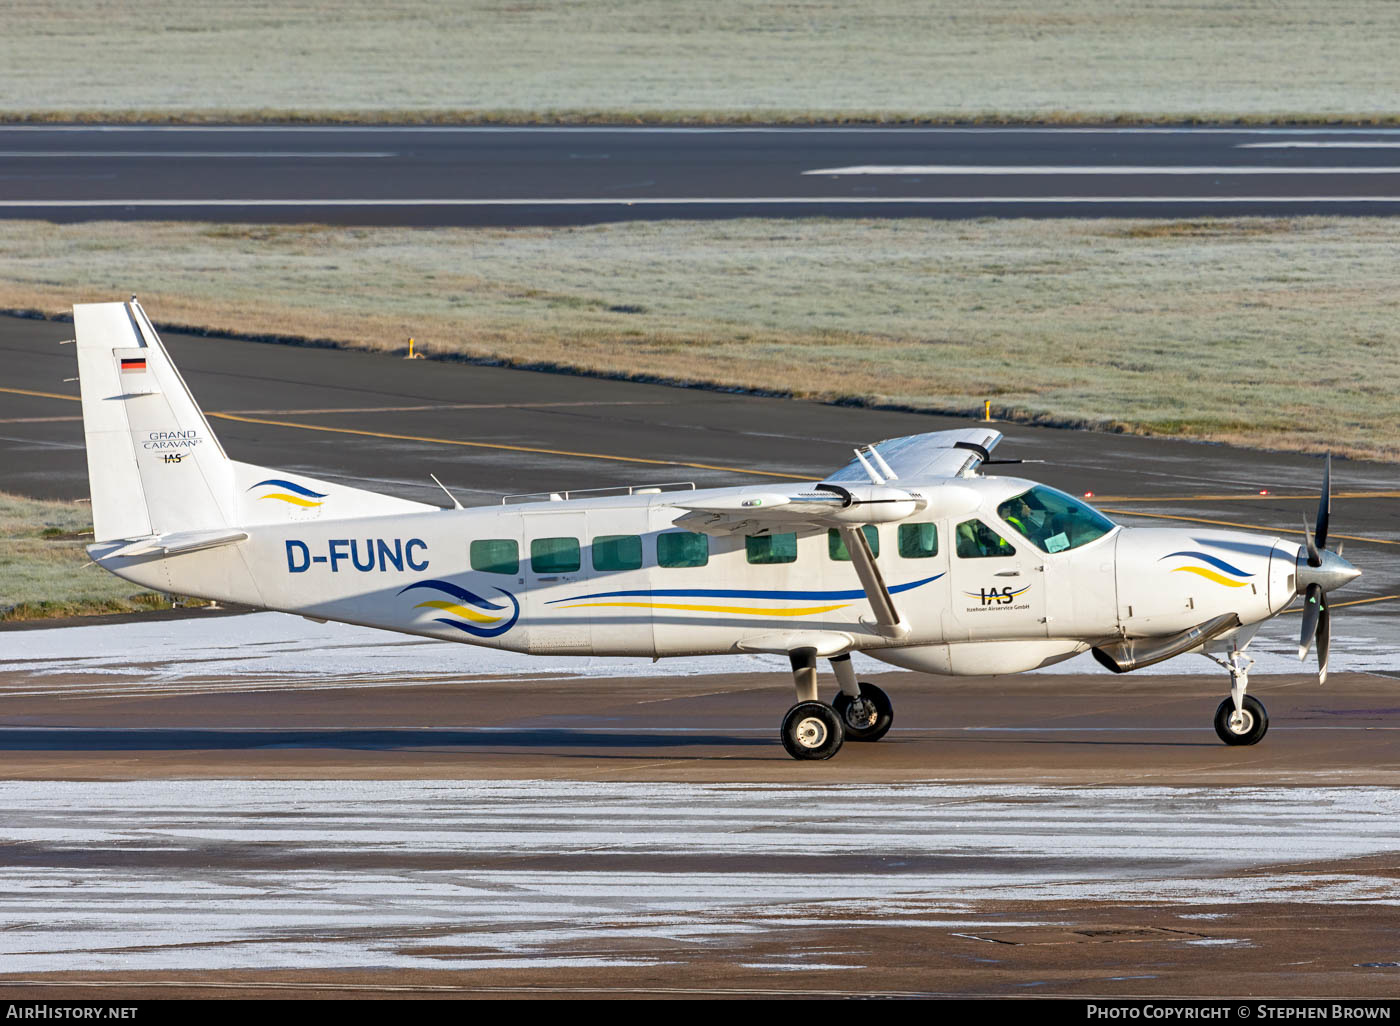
{"x": 1335, "y": 572}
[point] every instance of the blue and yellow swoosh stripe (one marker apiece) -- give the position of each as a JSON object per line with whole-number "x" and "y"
{"x": 830, "y": 601}
{"x": 467, "y": 611}
{"x": 1240, "y": 577}
{"x": 293, "y": 493}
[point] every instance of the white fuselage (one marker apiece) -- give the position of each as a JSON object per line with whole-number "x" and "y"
{"x": 589, "y": 578}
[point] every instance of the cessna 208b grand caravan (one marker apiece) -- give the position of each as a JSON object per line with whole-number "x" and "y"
{"x": 908, "y": 554}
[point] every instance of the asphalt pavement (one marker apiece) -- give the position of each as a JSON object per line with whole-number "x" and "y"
{"x": 552, "y": 175}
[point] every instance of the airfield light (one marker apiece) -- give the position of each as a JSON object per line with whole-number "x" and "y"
{"x": 1263, "y": 491}
{"x": 1088, "y": 495}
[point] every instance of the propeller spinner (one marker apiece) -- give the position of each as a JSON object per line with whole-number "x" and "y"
{"x": 1320, "y": 571}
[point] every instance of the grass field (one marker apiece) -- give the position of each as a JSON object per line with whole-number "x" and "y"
{"x": 613, "y": 60}
{"x": 1282, "y": 334}
{"x": 42, "y": 559}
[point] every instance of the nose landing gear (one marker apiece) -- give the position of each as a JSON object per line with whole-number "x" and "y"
{"x": 1241, "y": 719}
{"x": 814, "y": 730}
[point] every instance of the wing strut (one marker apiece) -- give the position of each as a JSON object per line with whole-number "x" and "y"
{"x": 888, "y": 622}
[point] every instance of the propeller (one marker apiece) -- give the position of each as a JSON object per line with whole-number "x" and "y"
{"x": 1319, "y": 572}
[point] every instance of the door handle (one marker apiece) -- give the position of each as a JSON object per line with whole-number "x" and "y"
{"x": 1007, "y": 573}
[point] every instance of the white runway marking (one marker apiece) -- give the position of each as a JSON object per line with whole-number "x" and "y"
{"x": 1086, "y": 169}
{"x": 182, "y": 154}
{"x": 1340, "y": 144}
{"x": 694, "y": 201}
{"x": 226, "y": 874}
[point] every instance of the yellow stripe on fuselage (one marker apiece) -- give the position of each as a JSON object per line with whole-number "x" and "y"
{"x": 745, "y": 610}
{"x": 456, "y": 610}
{"x": 295, "y": 500}
{"x": 1209, "y": 575}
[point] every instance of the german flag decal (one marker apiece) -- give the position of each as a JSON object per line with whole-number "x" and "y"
{"x": 134, "y": 366}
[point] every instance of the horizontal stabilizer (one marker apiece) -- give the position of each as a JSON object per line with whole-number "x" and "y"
{"x": 170, "y": 544}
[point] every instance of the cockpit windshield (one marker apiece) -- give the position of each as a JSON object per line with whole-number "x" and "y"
{"x": 1052, "y": 520}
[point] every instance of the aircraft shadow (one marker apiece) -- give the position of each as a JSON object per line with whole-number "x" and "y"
{"x": 194, "y": 739}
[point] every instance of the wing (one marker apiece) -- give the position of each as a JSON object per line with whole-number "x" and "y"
{"x": 765, "y": 511}
{"x": 859, "y": 493}
{"x": 933, "y": 454}
{"x": 868, "y": 490}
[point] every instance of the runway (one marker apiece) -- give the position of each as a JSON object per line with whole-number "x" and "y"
{"x": 550, "y": 175}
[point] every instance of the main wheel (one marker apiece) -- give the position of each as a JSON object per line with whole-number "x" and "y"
{"x": 812, "y": 730}
{"x": 1246, "y": 727}
{"x": 867, "y": 718}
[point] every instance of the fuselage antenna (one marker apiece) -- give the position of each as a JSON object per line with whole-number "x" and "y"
{"x": 455, "y": 503}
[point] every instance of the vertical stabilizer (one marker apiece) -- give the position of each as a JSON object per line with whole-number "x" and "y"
{"x": 153, "y": 464}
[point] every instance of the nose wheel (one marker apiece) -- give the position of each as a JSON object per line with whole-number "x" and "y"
{"x": 1246, "y": 725}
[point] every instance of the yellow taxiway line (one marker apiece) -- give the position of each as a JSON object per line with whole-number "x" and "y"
{"x": 504, "y": 446}
{"x": 772, "y": 473}
{"x": 1241, "y": 498}
{"x": 458, "y": 441}
{"x": 1353, "y": 602}
{"x": 41, "y": 395}
{"x": 1247, "y": 527}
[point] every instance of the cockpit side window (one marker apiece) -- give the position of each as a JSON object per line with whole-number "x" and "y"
{"x": 975, "y": 540}
{"x": 1053, "y": 521}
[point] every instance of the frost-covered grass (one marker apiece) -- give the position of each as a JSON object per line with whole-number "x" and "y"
{"x": 1270, "y": 333}
{"x": 42, "y": 561}
{"x": 615, "y": 60}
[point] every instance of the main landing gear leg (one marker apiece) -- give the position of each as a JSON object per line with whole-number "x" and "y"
{"x": 811, "y": 728}
{"x": 866, "y": 711}
{"x": 1241, "y": 719}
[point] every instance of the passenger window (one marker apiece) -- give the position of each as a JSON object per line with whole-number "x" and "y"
{"x": 617, "y": 552}
{"x": 836, "y": 545}
{"x": 918, "y": 541}
{"x": 554, "y": 555}
{"x": 976, "y": 540}
{"x": 771, "y": 548}
{"x": 496, "y": 556}
{"x": 682, "y": 548}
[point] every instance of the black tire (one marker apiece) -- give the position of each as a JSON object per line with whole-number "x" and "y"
{"x": 812, "y": 730}
{"x": 1249, "y": 729}
{"x": 868, "y": 724}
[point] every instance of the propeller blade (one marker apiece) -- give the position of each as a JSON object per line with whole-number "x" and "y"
{"x": 1324, "y": 640}
{"x": 1324, "y": 506}
{"x": 1312, "y": 610}
{"x": 1314, "y": 558}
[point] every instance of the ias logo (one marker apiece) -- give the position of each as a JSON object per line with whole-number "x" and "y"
{"x": 995, "y": 596}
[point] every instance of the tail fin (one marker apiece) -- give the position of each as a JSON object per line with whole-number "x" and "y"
{"x": 154, "y": 466}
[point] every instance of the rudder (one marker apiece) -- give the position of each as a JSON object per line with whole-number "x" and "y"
{"x": 154, "y": 466}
